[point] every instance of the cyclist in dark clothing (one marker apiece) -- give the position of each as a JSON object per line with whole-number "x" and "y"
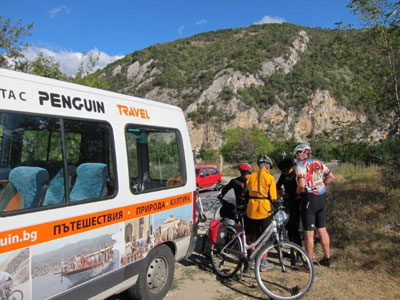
{"x": 288, "y": 180}
{"x": 238, "y": 184}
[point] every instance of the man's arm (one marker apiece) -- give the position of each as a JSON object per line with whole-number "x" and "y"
{"x": 225, "y": 189}
{"x": 329, "y": 178}
{"x": 279, "y": 185}
{"x": 301, "y": 185}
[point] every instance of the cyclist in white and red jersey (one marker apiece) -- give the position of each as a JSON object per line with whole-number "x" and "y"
{"x": 312, "y": 177}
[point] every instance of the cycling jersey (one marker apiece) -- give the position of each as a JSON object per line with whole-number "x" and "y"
{"x": 260, "y": 194}
{"x": 314, "y": 172}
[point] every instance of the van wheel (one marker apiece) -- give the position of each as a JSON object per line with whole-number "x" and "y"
{"x": 155, "y": 282}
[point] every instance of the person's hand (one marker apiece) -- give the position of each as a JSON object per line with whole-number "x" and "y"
{"x": 220, "y": 197}
{"x": 275, "y": 205}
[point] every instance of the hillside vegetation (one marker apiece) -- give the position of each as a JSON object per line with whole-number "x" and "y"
{"x": 188, "y": 66}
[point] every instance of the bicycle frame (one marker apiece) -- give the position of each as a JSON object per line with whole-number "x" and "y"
{"x": 257, "y": 244}
{"x": 262, "y": 239}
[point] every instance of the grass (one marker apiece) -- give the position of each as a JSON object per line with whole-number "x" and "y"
{"x": 365, "y": 251}
{"x": 363, "y": 221}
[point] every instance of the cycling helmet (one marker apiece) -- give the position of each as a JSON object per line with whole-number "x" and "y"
{"x": 245, "y": 167}
{"x": 264, "y": 159}
{"x": 285, "y": 164}
{"x": 302, "y": 148}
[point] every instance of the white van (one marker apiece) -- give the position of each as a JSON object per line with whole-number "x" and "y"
{"x": 97, "y": 191}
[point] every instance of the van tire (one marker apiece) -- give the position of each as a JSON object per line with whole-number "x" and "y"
{"x": 156, "y": 279}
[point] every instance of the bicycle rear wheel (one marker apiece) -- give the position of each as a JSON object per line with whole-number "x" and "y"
{"x": 288, "y": 273}
{"x": 16, "y": 295}
{"x": 217, "y": 212}
{"x": 226, "y": 258}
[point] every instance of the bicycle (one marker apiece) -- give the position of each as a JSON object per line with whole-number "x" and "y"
{"x": 290, "y": 271}
{"x": 12, "y": 295}
{"x": 203, "y": 215}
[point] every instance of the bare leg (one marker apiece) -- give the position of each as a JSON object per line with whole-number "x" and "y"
{"x": 309, "y": 242}
{"x": 325, "y": 241}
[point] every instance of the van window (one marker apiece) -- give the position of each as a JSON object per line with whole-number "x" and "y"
{"x": 155, "y": 158}
{"x": 47, "y": 161}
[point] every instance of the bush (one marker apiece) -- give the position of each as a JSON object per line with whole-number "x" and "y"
{"x": 206, "y": 153}
{"x": 245, "y": 145}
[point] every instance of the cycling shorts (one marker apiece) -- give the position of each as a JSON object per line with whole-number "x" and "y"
{"x": 313, "y": 211}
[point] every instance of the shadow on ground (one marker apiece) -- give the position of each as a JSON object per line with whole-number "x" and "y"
{"x": 200, "y": 258}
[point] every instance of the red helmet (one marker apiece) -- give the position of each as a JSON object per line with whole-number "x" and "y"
{"x": 245, "y": 167}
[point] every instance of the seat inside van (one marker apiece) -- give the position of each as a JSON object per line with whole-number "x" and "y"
{"x": 91, "y": 182}
{"x": 56, "y": 191}
{"x": 30, "y": 183}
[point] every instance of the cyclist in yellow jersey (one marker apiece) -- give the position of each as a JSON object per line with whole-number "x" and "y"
{"x": 261, "y": 187}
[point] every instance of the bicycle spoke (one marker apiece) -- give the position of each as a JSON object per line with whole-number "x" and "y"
{"x": 226, "y": 261}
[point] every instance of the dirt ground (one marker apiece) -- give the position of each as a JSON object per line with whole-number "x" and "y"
{"x": 195, "y": 279}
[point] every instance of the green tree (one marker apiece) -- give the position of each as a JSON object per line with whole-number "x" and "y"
{"x": 283, "y": 149}
{"x": 44, "y": 65}
{"x": 245, "y": 145}
{"x": 11, "y": 45}
{"x": 383, "y": 18}
{"x": 85, "y": 75}
{"x": 205, "y": 153}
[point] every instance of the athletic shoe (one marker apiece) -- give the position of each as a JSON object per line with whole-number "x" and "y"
{"x": 265, "y": 265}
{"x": 326, "y": 262}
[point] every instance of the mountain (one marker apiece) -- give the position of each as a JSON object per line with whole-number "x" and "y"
{"x": 289, "y": 80}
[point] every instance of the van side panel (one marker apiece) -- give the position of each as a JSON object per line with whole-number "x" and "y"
{"x": 93, "y": 218}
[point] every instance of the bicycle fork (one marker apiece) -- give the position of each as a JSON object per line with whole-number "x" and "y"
{"x": 280, "y": 252}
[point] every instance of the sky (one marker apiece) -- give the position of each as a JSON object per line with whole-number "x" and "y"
{"x": 66, "y": 28}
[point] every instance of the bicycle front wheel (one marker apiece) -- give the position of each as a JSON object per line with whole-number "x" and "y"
{"x": 284, "y": 272}
{"x": 226, "y": 258}
{"x": 16, "y": 295}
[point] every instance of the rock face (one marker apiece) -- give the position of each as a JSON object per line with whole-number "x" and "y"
{"x": 322, "y": 115}
{"x": 228, "y": 78}
{"x": 280, "y": 64}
